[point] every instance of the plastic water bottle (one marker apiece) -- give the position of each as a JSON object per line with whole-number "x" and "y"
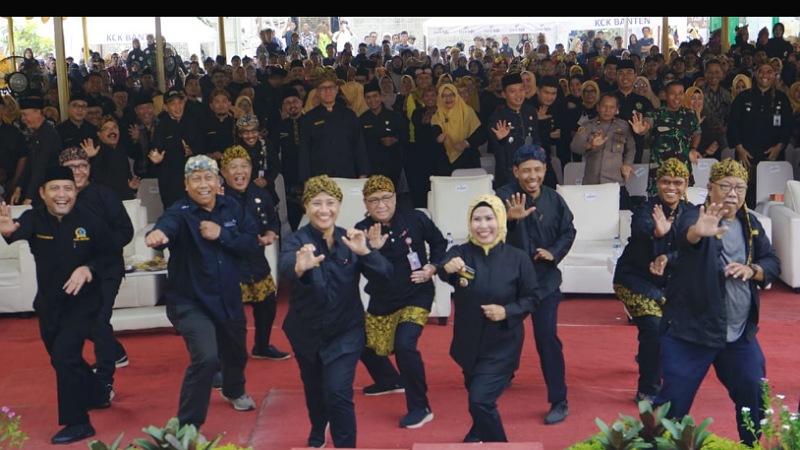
{"x": 616, "y": 247}
{"x": 449, "y": 240}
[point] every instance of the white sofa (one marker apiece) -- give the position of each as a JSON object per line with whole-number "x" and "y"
{"x": 786, "y": 234}
{"x": 17, "y": 273}
{"x": 598, "y": 220}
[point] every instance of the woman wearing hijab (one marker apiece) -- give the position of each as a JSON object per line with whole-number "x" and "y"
{"x": 694, "y": 99}
{"x": 587, "y": 109}
{"x": 529, "y": 84}
{"x": 353, "y": 93}
{"x": 495, "y": 288}
{"x": 391, "y": 99}
{"x": 325, "y": 321}
{"x": 478, "y": 73}
{"x": 741, "y": 82}
{"x": 458, "y": 130}
{"x": 642, "y": 87}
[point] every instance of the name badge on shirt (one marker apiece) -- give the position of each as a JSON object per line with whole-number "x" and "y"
{"x": 528, "y": 140}
{"x": 413, "y": 261}
{"x": 776, "y": 120}
{"x": 229, "y": 224}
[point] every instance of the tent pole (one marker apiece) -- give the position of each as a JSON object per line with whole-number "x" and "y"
{"x": 10, "y": 36}
{"x": 221, "y": 29}
{"x": 86, "y": 51}
{"x": 162, "y": 84}
{"x": 61, "y": 67}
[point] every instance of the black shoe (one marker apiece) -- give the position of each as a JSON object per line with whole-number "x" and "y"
{"x": 416, "y": 418}
{"x": 272, "y": 353}
{"x": 558, "y": 412}
{"x": 472, "y": 438}
{"x": 376, "y": 389}
{"x": 122, "y": 361}
{"x": 104, "y": 401}
{"x": 216, "y": 382}
{"x": 73, "y": 433}
{"x": 318, "y": 436}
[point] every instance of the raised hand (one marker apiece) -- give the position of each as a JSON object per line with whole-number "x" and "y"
{"x": 88, "y": 146}
{"x": 376, "y": 239}
{"x": 598, "y": 140}
{"x": 7, "y": 224}
{"x": 133, "y": 131}
{"x": 638, "y": 124}
{"x": 708, "y": 221}
{"x": 541, "y": 113}
{"x": 356, "y": 240}
{"x": 662, "y": 223}
{"x": 156, "y": 156}
{"x": 306, "y": 260}
{"x": 515, "y": 207}
{"x": 502, "y": 129}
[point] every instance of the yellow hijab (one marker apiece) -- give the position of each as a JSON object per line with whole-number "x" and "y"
{"x": 496, "y": 204}
{"x": 354, "y": 94}
{"x": 795, "y": 104}
{"x": 744, "y": 78}
{"x": 590, "y": 83}
{"x": 458, "y": 123}
{"x": 532, "y": 75}
{"x": 687, "y": 97}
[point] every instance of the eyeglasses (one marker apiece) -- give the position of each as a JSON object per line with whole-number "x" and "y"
{"x": 725, "y": 188}
{"x": 327, "y": 88}
{"x": 373, "y": 201}
{"x": 640, "y": 86}
{"x": 79, "y": 166}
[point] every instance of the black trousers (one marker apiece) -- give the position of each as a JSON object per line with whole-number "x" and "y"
{"x": 549, "y": 347}
{"x": 107, "y": 349}
{"x": 409, "y": 362}
{"x": 484, "y": 388}
{"x": 77, "y": 385}
{"x": 649, "y": 354}
{"x": 328, "y": 388}
{"x": 212, "y": 345}
{"x": 263, "y": 318}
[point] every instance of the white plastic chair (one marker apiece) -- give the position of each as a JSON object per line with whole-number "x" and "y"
{"x": 771, "y": 178}
{"x": 151, "y": 198}
{"x": 449, "y": 199}
{"x": 573, "y": 173}
{"x": 702, "y": 171}
{"x": 636, "y": 185}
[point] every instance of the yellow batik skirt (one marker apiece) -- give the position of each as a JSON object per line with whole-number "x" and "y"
{"x": 258, "y": 291}
{"x": 637, "y": 304}
{"x": 380, "y": 329}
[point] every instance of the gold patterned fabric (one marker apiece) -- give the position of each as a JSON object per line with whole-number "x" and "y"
{"x": 258, "y": 291}
{"x": 728, "y": 168}
{"x": 637, "y": 304}
{"x": 377, "y": 183}
{"x": 380, "y": 329}
{"x": 321, "y": 183}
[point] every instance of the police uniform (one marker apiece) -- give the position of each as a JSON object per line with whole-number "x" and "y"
{"x": 524, "y": 129}
{"x": 59, "y": 247}
{"x": 603, "y": 164}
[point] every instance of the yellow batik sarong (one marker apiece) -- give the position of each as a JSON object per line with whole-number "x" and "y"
{"x": 380, "y": 329}
{"x": 258, "y": 291}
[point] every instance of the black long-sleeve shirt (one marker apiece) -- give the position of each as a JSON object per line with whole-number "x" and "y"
{"x": 168, "y": 137}
{"x": 44, "y": 146}
{"x": 104, "y": 203}
{"x": 331, "y": 144}
{"x": 383, "y": 160}
{"x": 257, "y": 202}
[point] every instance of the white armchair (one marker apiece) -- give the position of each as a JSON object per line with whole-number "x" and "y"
{"x": 786, "y": 234}
{"x": 136, "y": 304}
{"x": 598, "y": 220}
{"x": 17, "y": 273}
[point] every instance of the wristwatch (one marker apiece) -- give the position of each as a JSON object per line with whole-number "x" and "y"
{"x": 755, "y": 268}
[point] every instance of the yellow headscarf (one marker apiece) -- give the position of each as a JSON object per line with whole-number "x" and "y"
{"x": 496, "y": 204}
{"x": 744, "y": 78}
{"x": 458, "y": 123}
{"x": 354, "y": 94}
{"x": 795, "y": 104}
{"x": 687, "y": 97}
{"x": 590, "y": 83}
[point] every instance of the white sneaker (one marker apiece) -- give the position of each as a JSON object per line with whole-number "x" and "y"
{"x": 243, "y": 403}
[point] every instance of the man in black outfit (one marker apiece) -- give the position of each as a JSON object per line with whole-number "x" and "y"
{"x": 71, "y": 249}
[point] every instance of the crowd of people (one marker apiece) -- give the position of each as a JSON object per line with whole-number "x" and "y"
{"x": 310, "y": 109}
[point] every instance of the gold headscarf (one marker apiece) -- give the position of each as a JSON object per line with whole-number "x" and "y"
{"x": 727, "y": 168}
{"x": 499, "y": 209}
{"x": 233, "y": 152}
{"x": 321, "y": 183}
{"x": 590, "y": 83}
{"x": 458, "y": 122}
{"x": 687, "y": 96}
{"x": 673, "y": 167}
{"x": 353, "y": 92}
{"x": 795, "y": 104}
{"x": 745, "y": 79}
{"x": 377, "y": 183}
